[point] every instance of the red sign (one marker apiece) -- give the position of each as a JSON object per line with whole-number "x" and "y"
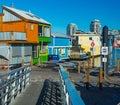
{"x": 115, "y": 44}
{"x": 92, "y": 44}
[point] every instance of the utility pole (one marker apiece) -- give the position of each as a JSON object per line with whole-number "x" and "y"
{"x": 105, "y": 50}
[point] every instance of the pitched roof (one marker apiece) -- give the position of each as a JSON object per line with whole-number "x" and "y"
{"x": 60, "y": 35}
{"x": 25, "y": 15}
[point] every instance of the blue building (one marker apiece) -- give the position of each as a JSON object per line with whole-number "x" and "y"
{"x": 59, "y": 46}
{"x": 114, "y": 51}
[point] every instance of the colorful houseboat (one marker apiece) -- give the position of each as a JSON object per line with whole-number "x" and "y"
{"x": 25, "y": 34}
{"x": 59, "y": 46}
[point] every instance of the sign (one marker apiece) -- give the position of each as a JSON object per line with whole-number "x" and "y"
{"x": 115, "y": 44}
{"x": 104, "y": 50}
{"x": 104, "y": 59}
{"x": 92, "y": 44}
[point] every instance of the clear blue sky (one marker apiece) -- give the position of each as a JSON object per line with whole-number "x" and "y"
{"x": 81, "y": 12}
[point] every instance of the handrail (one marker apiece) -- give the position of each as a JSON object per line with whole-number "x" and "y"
{"x": 12, "y": 84}
{"x": 69, "y": 93}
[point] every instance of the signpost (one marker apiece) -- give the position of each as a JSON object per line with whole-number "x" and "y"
{"x": 104, "y": 50}
{"x": 92, "y": 45}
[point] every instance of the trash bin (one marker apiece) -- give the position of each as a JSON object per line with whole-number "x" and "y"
{"x": 55, "y": 57}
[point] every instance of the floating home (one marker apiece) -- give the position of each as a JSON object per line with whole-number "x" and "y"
{"x": 59, "y": 48}
{"x": 90, "y": 42}
{"x": 24, "y": 35}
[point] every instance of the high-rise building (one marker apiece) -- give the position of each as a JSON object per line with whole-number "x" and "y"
{"x": 95, "y": 26}
{"x": 71, "y": 29}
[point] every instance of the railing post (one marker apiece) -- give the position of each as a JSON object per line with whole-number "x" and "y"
{"x": 70, "y": 95}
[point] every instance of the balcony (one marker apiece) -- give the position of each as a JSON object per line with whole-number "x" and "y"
{"x": 12, "y": 36}
{"x": 44, "y": 39}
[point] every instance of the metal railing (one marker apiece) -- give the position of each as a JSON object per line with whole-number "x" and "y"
{"x": 12, "y": 84}
{"x": 69, "y": 93}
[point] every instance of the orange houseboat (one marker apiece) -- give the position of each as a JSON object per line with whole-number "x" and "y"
{"x": 24, "y": 36}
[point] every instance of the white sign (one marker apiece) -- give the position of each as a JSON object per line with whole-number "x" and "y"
{"x": 104, "y": 50}
{"x": 104, "y": 59}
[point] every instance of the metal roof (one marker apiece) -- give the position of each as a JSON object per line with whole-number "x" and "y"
{"x": 55, "y": 34}
{"x": 26, "y": 15}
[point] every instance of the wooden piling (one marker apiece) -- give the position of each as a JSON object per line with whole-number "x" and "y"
{"x": 88, "y": 75}
{"x": 100, "y": 78}
{"x": 78, "y": 67}
{"x": 117, "y": 62}
{"x": 23, "y": 62}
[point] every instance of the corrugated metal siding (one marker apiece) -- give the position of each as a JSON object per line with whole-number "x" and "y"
{"x": 19, "y": 36}
{"x": 16, "y": 60}
{"x": 27, "y": 59}
{"x": 5, "y": 35}
{"x": 9, "y": 17}
{"x": 19, "y": 52}
{"x": 16, "y": 50}
{"x": 28, "y": 50}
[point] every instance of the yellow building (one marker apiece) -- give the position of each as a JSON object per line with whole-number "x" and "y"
{"x": 90, "y": 42}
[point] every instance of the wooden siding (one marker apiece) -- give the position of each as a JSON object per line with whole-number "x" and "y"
{"x": 21, "y": 26}
{"x": 18, "y": 26}
{"x": 32, "y": 34}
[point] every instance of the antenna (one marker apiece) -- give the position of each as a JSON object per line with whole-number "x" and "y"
{"x": 12, "y": 5}
{"x": 29, "y": 11}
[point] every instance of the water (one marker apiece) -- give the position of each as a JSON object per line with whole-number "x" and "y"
{"x": 111, "y": 58}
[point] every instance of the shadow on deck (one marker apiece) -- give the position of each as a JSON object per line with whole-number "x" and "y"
{"x": 50, "y": 94}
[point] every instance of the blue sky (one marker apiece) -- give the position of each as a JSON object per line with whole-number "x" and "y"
{"x": 81, "y": 12}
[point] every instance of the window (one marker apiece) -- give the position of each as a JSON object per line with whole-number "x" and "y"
{"x": 43, "y": 49}
{"x": 28, "y": 50}
{"x": 34, "y": 51}
{"x": 40, "y": 30}
{"x": 55, "y": 51}
{"x": 46, "y": 31}
{"x": 16, "y": 50}
{"x": 31, "y": 26}
{"x": 62, "y": 51}
{"x": 90, "y": 38}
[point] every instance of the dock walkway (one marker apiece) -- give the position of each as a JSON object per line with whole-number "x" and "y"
{"x": 42, "y": 90}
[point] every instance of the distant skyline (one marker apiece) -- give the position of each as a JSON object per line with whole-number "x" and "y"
{"x": 81, "y": 12}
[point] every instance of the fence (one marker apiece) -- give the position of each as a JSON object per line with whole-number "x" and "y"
{"x": 69, "y": 94}
{"x": 12, "y": 84}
